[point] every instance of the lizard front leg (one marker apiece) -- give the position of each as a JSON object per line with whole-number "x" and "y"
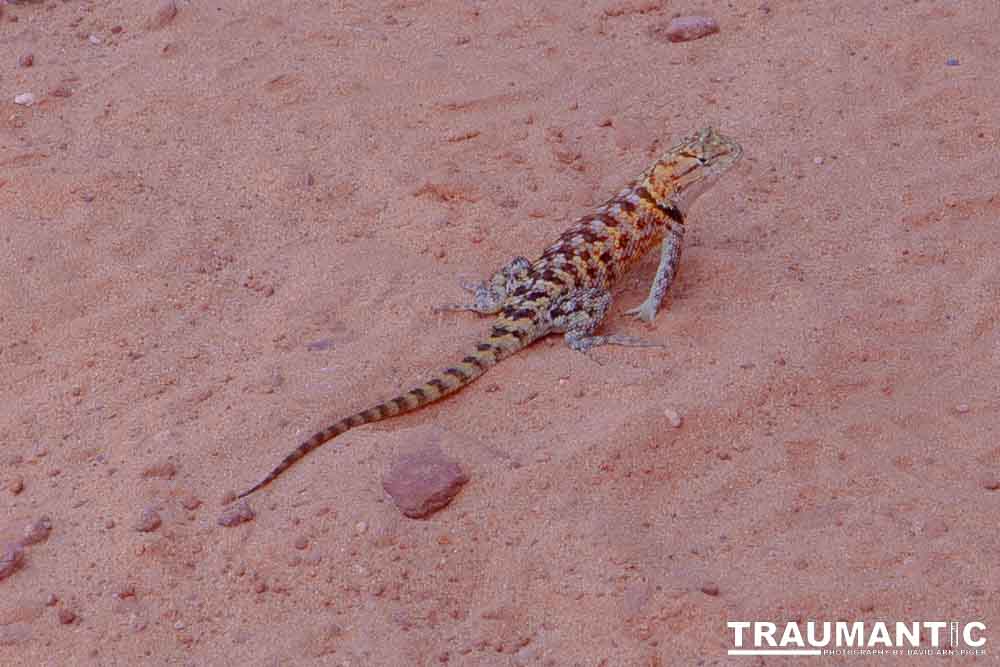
{"x": 670, "y": 257}
{"x": 490, "y": 294}
{"x": 578, "y": 314}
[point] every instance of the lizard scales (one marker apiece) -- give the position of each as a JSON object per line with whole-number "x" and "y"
{"x": 567, "y": 289}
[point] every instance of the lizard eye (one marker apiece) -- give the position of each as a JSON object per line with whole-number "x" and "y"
{"x": 693, "y": 156}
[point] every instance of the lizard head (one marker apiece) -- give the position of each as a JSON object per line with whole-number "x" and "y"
{"x": 691, "y": 167}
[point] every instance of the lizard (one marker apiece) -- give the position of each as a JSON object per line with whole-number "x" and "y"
{"x": 567, "y": 289}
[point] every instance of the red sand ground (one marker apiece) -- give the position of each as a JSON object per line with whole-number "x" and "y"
{"x": 214, "y": 195}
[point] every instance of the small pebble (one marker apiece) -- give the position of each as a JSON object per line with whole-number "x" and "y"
{"x": 962, "y": 408}
{"x": 360, "y": 527}
{"x": 951, "y": 62}
{"x": 320, "y": 345}
{"x": 423, "y": 481}
{"x": 27, "y": 60}
{"x": 37, "y": 531}
{"x": 673, "y": 417}
{"x": 190, "y": 502}
{"x": 25, "y": 99}
{"x": 711, "y": 590}
{"x": 991, "y": 483}
{"x": 62, "y": 90}
{"x": 301, "y": 542}
{"x": 94, "y": 39}
{"x": 817, "y": 160}
{"x": 125, "y": 590}
{"x": 236, "y": 515}
{"x": 109, "y": 524}
{"x": 149, "y": 521}
{"x": 160, "y": 470}
{"x": 688, "y": 28}
{"x": 51, "y": 600}
{"x": 16, "y": 486}
{"x": 66, "y": 616}
{"x": 10, "y": 559}
{"x": 166, "y": 10}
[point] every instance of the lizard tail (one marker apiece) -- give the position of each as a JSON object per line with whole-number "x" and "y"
{"x": 502, "y": 342}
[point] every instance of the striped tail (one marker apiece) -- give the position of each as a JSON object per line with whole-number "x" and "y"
{"x": 503, "y": 341}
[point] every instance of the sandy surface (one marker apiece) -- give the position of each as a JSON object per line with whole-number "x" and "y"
{"x": 184, "y": 210}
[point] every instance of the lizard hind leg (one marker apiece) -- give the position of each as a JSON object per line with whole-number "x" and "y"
{"x": 489, "y": 295}
{"x": 579, "y": 313}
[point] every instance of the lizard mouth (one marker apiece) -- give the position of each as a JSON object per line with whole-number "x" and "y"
{"x": 722, "y": 156}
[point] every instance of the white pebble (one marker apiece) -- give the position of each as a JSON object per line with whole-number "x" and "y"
{"x": 25, "y": 99}
{"x": 361, "y": 527}
{"x": 94, "y": 39}
{"x": 962, "y": 408}
{"x": 687, "y": 28}
{"x": 673, "y": 417}
{"x": 818, "y": 160}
